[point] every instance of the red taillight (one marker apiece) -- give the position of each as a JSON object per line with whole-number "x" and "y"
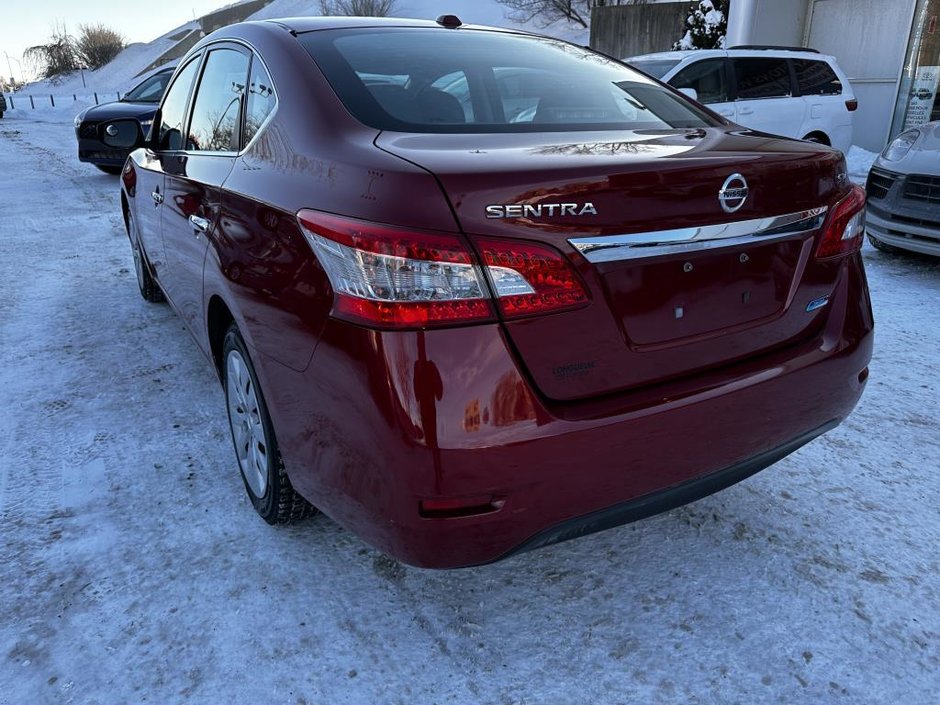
{"x": 397, "y": 278}
{"x": 392, "y": 277}
{"x": 852, "y": 105}
{"x": 843, "y": 229}
{"x": 129, "y": 177}
{"x": 530, "y": 278}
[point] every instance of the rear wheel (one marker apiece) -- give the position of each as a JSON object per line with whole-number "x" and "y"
{"x": 108, "y": 169}
{"x": 259, "y": 459}
{"x": 149, "y": 289}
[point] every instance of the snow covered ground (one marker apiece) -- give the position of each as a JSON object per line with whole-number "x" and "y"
{"x": 859, "y": 163}
{"x": 133, "y": 570}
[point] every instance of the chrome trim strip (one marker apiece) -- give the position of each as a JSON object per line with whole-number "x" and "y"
{"x": 613, "y": 248}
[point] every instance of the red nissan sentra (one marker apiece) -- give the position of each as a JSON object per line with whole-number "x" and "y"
{"x": 471, "y": 292}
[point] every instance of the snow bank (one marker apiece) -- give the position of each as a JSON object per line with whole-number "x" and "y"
{"x": 859, "y": 162}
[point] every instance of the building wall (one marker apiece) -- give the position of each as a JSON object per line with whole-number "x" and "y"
{"x": 869, "y": 38}
{"x": 770, "y": 22}
{"x": 629, "y": 30}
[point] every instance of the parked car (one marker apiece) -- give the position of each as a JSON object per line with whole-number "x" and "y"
{"x": 904, "y": 193}
{"x": 3, "y": 104}
{"x": 461, "y": 334}
{"x": 108, "y": 132}
{"x": 797, "y": 93}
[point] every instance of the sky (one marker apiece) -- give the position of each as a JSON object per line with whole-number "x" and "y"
{"x": 137, "y": 21}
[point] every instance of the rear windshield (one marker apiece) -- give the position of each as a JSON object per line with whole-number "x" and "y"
{"x": 655, "y": 67}
{"x": 461, "y": 81}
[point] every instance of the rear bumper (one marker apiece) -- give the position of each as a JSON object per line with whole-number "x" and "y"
{"x": 381, "y": 421}
{"x": 669, "y": 498}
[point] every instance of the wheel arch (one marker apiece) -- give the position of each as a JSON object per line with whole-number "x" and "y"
{"x": 819, "y": 136}
{"x": 125, "y": 210}
{"x": 218, "y": 319}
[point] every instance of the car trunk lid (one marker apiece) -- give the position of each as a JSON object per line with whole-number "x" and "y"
{"x": 676, "y": 282}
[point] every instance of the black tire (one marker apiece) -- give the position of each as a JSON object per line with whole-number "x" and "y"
{"x": 149, "y": 289}
{"x": 814, "y": 139}
{"x": 279, "y": 502}
{"x": 883, "y": 246}
{"x": 107, "y": 169}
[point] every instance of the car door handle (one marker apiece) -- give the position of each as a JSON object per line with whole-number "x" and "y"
{"x": 201, "y": 224}
{"x": 157, "y": 197}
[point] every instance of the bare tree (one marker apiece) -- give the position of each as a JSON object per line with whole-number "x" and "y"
{"x": 546, "y": 12}
{"x": 365, "y": 8}
{"x": 97, "y": 45}
{"x": 56, "y": 57}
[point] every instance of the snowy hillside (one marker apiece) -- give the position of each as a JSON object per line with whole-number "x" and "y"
{"x": 122, "y": 73}
{"x": 119, "y": 75}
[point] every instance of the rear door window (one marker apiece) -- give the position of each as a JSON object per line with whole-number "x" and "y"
{"x": 762, "y": 78}
{"x": 217, "y": 106}
{"x": 708, "y": 78}
{"x": 816, "y": 78}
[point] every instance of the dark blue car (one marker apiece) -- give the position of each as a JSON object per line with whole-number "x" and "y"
{"x": 107, "y": 133}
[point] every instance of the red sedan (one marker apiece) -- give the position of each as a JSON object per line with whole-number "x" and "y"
{"x": 470, "y": 292}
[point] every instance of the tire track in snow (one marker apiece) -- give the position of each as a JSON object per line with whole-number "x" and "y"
{"x": 44, "y": 306}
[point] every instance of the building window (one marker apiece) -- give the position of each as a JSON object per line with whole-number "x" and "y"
{"x": 917, "y": 97}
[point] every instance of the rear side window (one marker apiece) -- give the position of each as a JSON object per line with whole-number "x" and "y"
{"x": 429, "y": 80}
{"x": 762, "y": 78}
{"x": 174, "y": 108}
{"x": 217, "y": 107}
{"x": 260, "y": 100}
{"x": 707, "y": 78}
{"x": 816, "y": 78}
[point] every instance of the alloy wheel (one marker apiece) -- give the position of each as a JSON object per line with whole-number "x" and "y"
{"x": 245, "y": 419}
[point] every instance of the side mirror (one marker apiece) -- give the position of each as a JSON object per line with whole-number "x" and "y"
{"x": 689, "y": 92}
{"x": 151, "y": 136}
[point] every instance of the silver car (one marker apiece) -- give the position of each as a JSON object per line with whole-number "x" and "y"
{"x": 904, "y": 193}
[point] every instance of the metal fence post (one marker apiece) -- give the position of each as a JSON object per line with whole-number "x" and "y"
{"x": 32, "y": 103}
{"x": 96, "y": 99}
{"x": 74, "y": 97}
{"x": 12, "y": 107}
{"x": 52, "y": 100}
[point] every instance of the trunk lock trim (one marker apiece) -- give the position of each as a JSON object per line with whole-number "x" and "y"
{"x": 614, "y": 248}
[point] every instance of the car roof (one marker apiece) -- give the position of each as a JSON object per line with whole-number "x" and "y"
{"x": 311, "y": 24}
{"x": 711, "y": 53}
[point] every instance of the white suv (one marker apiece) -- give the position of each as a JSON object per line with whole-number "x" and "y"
{"x": 790, "y": 92}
